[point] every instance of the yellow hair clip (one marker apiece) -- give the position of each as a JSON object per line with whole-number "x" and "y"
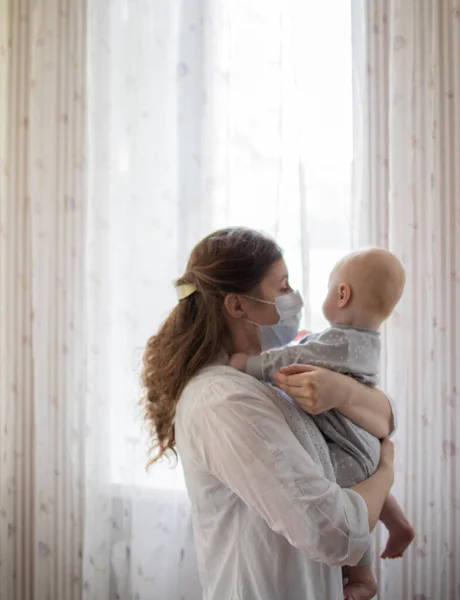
{"x": 185, "y": 290}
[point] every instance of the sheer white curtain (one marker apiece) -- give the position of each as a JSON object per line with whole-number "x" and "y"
{"x": 407, "y": 118}
{"x": 194, "y": 115}
{"x": 128, "y": 130}
{"x": 201, "y": 115}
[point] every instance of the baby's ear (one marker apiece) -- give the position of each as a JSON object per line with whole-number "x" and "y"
{"x": 344, "y": 295}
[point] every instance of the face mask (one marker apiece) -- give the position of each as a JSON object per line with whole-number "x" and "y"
{"x": 289, "y": 308}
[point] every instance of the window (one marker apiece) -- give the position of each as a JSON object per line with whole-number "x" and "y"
{"x": 267, "y": 142}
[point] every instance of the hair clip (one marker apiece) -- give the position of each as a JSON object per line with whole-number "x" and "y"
{"x": 185, "y": 290}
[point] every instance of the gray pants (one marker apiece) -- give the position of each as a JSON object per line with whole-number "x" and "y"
{"x": 355, "y": 453}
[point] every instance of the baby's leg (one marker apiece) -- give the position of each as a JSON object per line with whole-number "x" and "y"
{"x": 400, "y": 530}
{"x": 355, "y": 453}
{"x": 361, "y": 584}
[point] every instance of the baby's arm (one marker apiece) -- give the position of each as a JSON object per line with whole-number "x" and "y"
{"x": 330, "y": 352}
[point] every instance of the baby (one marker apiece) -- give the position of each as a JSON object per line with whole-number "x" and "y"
{"x": 364, "y": 288}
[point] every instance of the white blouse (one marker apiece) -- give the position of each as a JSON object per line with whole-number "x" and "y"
{"x": 270, "y": 523}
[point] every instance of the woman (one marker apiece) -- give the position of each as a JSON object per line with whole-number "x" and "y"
{"x": 270, "y": 522}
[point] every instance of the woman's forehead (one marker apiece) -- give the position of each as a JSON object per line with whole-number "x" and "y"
{"x": 277, "y": 272}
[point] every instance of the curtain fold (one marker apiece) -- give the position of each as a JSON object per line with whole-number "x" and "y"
{"x": 177, "y": 148}
{"x": 128, "y": 131}
{"x": 407, "y": 198}
{"x": 42, "y": 345}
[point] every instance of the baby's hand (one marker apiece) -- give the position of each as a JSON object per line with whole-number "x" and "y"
{"x": 303, "y": 333}
{"x": 239, "y": 361}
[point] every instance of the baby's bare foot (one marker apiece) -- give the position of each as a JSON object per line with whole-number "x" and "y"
{"x": 399, "y": 540}
{"x": 361, "y": 584}
{"x": 359, "y": 591}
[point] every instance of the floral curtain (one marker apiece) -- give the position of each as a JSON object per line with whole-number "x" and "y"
{"x": 407, "y": 198}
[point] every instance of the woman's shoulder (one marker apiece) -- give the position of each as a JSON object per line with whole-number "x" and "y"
{"x": 219, "y": 384}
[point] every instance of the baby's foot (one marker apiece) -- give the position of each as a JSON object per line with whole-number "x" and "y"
{"x": 359, "y": 591}
{"x": 361, "y": 584}
{"x": 398, "y": 541}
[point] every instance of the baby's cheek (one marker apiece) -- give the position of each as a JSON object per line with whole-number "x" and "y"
{"x": 327, "y": 308}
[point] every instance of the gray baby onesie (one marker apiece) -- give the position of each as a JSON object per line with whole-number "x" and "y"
{"x": 355, "y": 453}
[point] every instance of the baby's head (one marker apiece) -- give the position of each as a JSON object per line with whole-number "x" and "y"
{"x": 364, "y": 288}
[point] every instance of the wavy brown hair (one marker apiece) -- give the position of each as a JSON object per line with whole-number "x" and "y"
{"x": 233, "y": 260}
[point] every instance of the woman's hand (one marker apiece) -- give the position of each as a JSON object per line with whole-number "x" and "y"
{"x": 315, "y": 389}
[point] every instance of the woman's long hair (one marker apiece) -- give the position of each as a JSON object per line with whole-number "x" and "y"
{"x": 233, "y": 260}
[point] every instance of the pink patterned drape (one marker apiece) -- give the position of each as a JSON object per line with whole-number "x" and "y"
{"x": 407, "y": 198}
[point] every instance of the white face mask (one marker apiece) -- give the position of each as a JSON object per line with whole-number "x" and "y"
{"x": 289, "y": 308}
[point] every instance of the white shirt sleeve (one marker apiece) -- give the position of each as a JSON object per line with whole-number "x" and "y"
{"x": 245, "y": 442}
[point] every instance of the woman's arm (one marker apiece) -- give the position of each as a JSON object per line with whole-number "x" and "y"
{"x": 317, "y": 390}
{"x": 367, "y": 407}
{"x": 245, "y": 442}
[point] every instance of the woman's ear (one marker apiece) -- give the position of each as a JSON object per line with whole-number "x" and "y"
{"x": 344, "y": 295}
{"x": 235, "y": 306}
